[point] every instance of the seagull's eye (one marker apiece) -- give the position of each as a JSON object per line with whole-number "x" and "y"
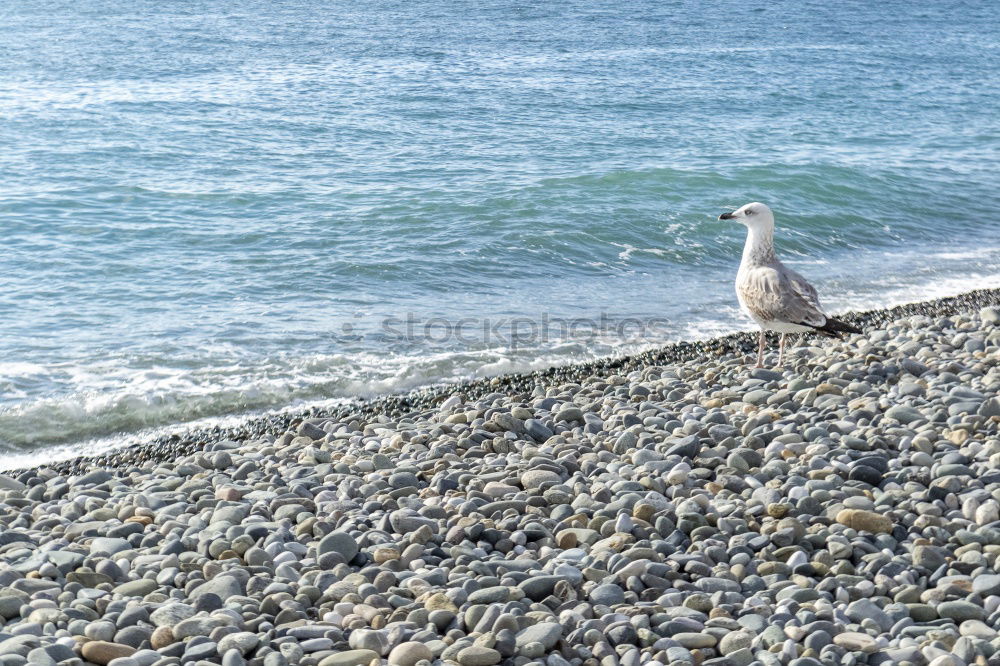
{"x": 748, "y": 211}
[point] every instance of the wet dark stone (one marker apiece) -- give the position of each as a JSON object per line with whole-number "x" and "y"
{"x": 865, "y": 474}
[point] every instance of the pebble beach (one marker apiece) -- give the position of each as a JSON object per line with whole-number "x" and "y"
{"x": 677, "y": 507}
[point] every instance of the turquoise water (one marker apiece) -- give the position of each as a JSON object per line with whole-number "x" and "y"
{"x": 212, "y": 208}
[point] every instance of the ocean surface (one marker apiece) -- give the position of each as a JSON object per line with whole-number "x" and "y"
{"x": 213, "y": 208}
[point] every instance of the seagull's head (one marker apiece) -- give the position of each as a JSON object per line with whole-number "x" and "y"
{"x": 753, "y": 215}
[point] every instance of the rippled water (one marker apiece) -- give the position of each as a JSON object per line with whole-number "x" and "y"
{"x": 209, "y": 208}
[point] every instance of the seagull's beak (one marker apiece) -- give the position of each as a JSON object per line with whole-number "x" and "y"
{"x": 726, "y": 216}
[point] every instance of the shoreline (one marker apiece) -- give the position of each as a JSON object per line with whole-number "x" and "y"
{"x": 673, "y": 508}
{"x": 396, "y": 404}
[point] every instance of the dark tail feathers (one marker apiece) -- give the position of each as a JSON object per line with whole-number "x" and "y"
{"x": 833, "y": 327}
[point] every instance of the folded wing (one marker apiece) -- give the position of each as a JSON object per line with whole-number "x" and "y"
{"x": 773, "y": 294}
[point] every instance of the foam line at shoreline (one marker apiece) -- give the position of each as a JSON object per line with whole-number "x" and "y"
{"x": 248, "y": 428}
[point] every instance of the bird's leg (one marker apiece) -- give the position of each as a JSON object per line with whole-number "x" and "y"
{"x": 760, "y": 349}
{"x": 781, "y": 349}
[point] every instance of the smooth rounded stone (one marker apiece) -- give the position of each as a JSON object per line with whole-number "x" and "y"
{"x": 744, "y": 460}
{"x": 931, "y": 557}
{"x": 946, "y": 660}
{"x": 757, "y": 396}
{"x": 476, "y": 655}
{"x": 817, "y": 640}
{"x": 622, "y": 634}
{"x": 960, "y": 610}
{"x": 678, "y": 475}
{"x": 865, "y": 474}
{"x": 854, "y": 641}
{"x": 508, "y": 422}
{"x": 292, "y": 652}
{"x": 625, "y": 441}
{"x": 537, "y": 430}
{"x": 102, "y": 652}
{"x": 535, "y": 588}
{"x": 607, "y": 595}
{"x": 713, "y": 585}
{"x": 50, "y": 654}
{"x": 409, "y": 653}
{"x": 913, "y": 366}
{"x": 741, "y": 657}
{"x": 990, "y": 408}
{"x": 676, "y": 653}
{"x": 101, "y": 630}
{"x": 316, "y": 644}
{"x": 569, "y": 413}
{"x": 338, "y": 542}
{"x": 94, "y": 478}
{"x": 953, "y": 470}
{"x": 223, "y": 586}
{"x": 199, "y": 625}
{"x": 11, "y": 602}
{"x": 545, "y": 633}
{"x": 244, "y": 641}
{"x": 8, "y": 483}
{"x": 162, "y": 637}
{"x": 404, "y": 480}
{"x": 125, "y": 661}
{"x": 441, "y": 619}
{"x": 572, "y": 537}
{"x": 500, "y": 490}
{"x": 311, "y": 430}
{"x": 735, "y": 640}
{"x": 977, "y": 629}
{"x": 108, "y": 546}
{"x": 132, "y": 616}
{"x": 109, "y": 569}
{"x": 349, "y": 658}
{"x": 144, "y": 657}
{"x": 866, "y": 521}
{"x": 535, "y": 478}
{"x": 275, "y": 659}
{"x": 691, "y": 640}
{"x": 986, "y": 584}
{"x": 500, "y": 594}
{"x": 798, "y": 594}
{"x": 532, "y": 650}
{"x": 965, "y": 649}
{"x": 133, "y": 635}
{"x": 753, "y": 623}
{"x": 904, "y": 414}
{"x": 207, "y": 602}
{"x": 257, "y": 557}
{"x": 407, "y": 522}
{"x": 233, "y": 658}
{"x": 866, "y": 609}
{"x": 136, "y": 588}
{"x": 198, "y": 651}
{"x": 922, "y": 612}
{"x": 370, "y": 639}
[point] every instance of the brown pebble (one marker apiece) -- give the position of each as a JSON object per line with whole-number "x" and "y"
{"x": 162, "y": 637}
{"x": 102, "y": 652}
{"x": 866, "y": 521}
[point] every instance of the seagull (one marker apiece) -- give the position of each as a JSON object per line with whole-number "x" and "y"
{"x": 773, "y": 295}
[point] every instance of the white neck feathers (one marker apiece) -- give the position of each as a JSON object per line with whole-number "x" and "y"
{"x": 759, "y": 248}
